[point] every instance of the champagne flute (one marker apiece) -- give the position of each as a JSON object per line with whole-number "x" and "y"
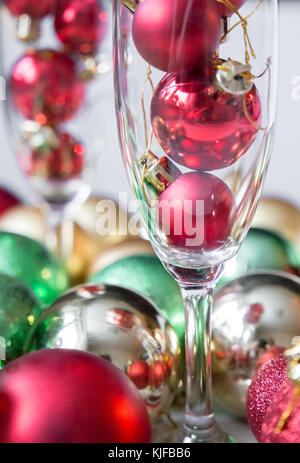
{"x": 195, "y": 89}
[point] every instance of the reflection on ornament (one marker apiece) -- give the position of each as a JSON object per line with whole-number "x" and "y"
{"x": 262, "y": 391}
{"x": 81, "y": 25}
{"x": 52, "y": 155}
{"x": 7, "y": 201}
{"x": 130, "y": 247}
{"x": 44, "y": 87}
{"x": 197, "y": 34}
{"x": 19, "y": 308}
{"x": 196, "y": 212}
{"x": 32, "y": 263}
{"x": 201, "y": 127}
{"x": 262, "y": 250}
{"x": 146, "y": 275}
{"x": 279, "y": 216}
{"x": 122, "y": 327}
{"x": 250, "y": 314}
{"x": 93, "y": 403}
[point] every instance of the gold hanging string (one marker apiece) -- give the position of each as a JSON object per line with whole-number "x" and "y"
{"x": 246, "y": 18}
{"x": 285, "y": 416}
{"x": 244, "y": 23}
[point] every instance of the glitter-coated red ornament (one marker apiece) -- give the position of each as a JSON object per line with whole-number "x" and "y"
{"x": 269, "y": 354}
{"x": 61, "y": 162}
{"x": 176, "y": 36}
{"x": 33, "y": 8}
{"x": 7, "y": 200}
{"x": 68, "y": 396}
{"x": 225, "y": 11}
{"x": 290, "y": 433}
{"x": 45, "y": 88}
{"x": 198, "y": 207}
{"x": 201, "y": 127}
{"x": 265, "y": 384}
{"x": 81, "y": 25}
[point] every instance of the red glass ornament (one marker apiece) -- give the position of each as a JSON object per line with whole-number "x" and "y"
{"x": 81, "y": 25}
{"x": 198, "y": 207}
{"x": 33, "y": 8}
{"x": 290, "y": 433}
{"x": 7, "y": 200}
{"x": 68, "y": 396}
{"x": 139, "y": 374}
{"x": 176, "y": 36}
{"x": 201, "y": 127}
{"x": 44, "y": 87}
{"x": 225, "y": 11}
{"x": 61, "y": 162}
{"x": 265, "y": 384}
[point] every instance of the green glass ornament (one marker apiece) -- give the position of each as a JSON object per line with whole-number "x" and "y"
{"x": 19, "y": 308}
{"x": 32, "y": 263}
{"x": 262, "y": 250}
{"x": 146, "y": 275}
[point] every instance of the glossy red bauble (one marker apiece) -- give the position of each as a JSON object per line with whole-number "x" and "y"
{"x": 196, "y": 212}
{"x": 264, "y": 386}
{"x": 176, "y": 36}
{"x": 45, "y": 88}
{"x": 33, "y": 8}
{"x": 68, "y": 396}
{"x": 7, "y": 200}
{"x": 226, "y": 11}
{"x": 62, "y": 161}
{"x": 201, "y": 127}
{"x": 81, "y": 25}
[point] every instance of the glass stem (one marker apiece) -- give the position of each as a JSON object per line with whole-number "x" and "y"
{"x": 60, "y": 232}
{"x": 199, "y": 417}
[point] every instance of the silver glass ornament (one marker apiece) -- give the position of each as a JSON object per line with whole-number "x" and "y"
{"x": 251, "y": 315}
{"x": 121, "y": 326}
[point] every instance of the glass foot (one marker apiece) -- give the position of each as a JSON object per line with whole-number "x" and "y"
{"x": 214, "y": 435}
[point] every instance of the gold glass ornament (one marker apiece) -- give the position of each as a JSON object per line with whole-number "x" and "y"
{"x": 280, "y": 216}
{"x": 251, "y": 315}
{"x": 121, "y": 326}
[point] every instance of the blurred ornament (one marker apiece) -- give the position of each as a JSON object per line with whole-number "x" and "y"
{"x": 250, "y": 314}
{"x": 226, "y": 11}
{"x": 279, "y": 216}
{"x": 188, "y": 226}
{"x": 196, "y": 35}
{"x": 130, "y": 247}
{"x": 101, "y": 400}
{"x": 92, "y": 236}
{"x": 146, "y": 275}
{"x": 124, "y": 328}
{"x": 290, "y": 433}
{"x": 201, "y": 127}
{"x": 53, "y": 155}
{"x": 264, "y": 386}
{"x": 262, "y": 250}
{"x": 29, "y": 13}
{"x": 32, "y": 263}
{"x": 19, "y": 308}
{"x": 7, "y": 201}
{"x": 81, "y": 25}
{"x": 44, "y": 87}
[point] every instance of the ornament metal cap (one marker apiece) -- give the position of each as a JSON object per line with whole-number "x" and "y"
{"x": 234, "y": 77}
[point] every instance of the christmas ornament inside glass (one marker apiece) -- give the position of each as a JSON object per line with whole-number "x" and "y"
{"x": 122, "y": 327}
{"x": 44, "y": 87}
{"x": 81, "y": 25}
{"x": 201, "y": 127}
{"x": 196, "y": 212}
{"x": 250, "y": 314}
